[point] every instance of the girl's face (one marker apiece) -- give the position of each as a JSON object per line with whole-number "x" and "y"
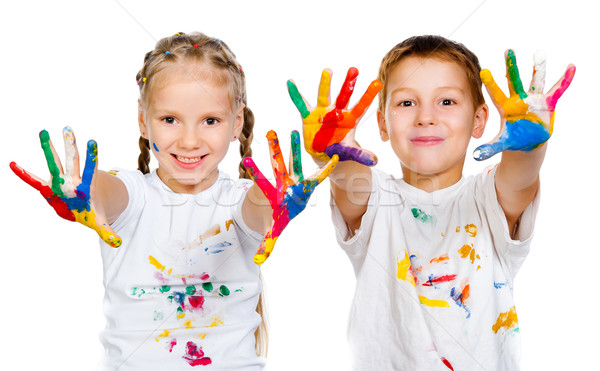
{"x": 429, "y": 119}
{"x": 189, "y": 122}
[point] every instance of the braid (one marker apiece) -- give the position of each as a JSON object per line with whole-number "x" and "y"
{"x": 246, "y": 137}
{"x": 144, "y": 157}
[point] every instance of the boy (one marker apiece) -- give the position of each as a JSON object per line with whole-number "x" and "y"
{"x": 435, "y": 253}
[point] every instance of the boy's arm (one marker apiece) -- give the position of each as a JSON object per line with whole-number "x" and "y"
{"x": 95, "y": 199}
{"x": 329, "y": 130}
{"x": 527, "y": 121}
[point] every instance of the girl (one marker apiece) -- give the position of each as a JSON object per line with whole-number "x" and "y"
{"x": 181, "y": 288}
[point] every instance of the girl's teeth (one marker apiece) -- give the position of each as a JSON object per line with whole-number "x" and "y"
{"x": 188, "y": 159}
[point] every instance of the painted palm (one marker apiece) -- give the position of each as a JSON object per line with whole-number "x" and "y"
{"x": 527, "y": 116}
{"x": 329, "y": 129}
{"x": 291, "y": 193}
{"x": 66, "y": 192}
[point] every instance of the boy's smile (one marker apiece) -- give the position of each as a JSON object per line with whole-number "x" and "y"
{"x": 429, "y": 119}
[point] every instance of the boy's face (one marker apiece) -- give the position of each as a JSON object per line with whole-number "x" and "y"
{"x": 429, "y": 119}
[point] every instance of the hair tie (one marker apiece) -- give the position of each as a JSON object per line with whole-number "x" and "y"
{"x": 196, "y": 46}
{"x": 228, "y": 63}
{"x": 167, "y": 52}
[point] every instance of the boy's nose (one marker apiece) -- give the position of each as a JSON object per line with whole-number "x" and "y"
{"x": 425, "y": 117}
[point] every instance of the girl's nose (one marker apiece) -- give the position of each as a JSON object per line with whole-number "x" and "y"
{"x": 190, "y": 138}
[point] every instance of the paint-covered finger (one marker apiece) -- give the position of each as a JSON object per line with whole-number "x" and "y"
{"x": 27, "y": 177}
{"x": 281, "y": 175}
{"x": 486, "y": 151}
{"x": 265, "y": 248}
{"x": 538, "y": 80}
{"x": 560, "y": 87}
{"x": 106, "y": 233}
{"x": 493, "y": 89}
{"x": 515, "y": 85}
{"x": 295, "y": 164}
{"x": 297, "y": 99}
{"x": 91, "y": 165}
{"x": 324, "y": 172}
{"x": 265, "y": 186}
{"x": 71, "y": 153}
{"x": 323, "y": 97}
{"x": 57, "y": 204}
{"x": 365, "y": 101}
{"x": 347, "y": 89}
{"x": 53, "y": 161}
{"x": 351, "y": 153}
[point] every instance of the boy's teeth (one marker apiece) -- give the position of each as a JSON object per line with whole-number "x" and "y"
{"x": 188, "y": 159}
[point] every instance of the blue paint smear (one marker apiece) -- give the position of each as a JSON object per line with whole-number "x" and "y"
{"x": 521, "y": 135}
{"x": 155, "y": 147}
{"x": 217, "y": 248}
{"x": 454, "y": 294}
{"x": 499, "y": 285}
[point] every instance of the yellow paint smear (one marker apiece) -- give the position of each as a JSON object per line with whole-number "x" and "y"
{"x": 212, "y": 231}
{"x": 228, "y": 223}
{"x": 216, "y": 322}
{"x": 469, "y": 251}
{"x": 403, "y": 271}
{"x": 163, "y": 335}
{"x": 433, "y": 303}
{"x": 506, "y": 320}
{"x": 188, "y": 324}
{"x": 155, "y": 263}
{"x": 471, "y": 229}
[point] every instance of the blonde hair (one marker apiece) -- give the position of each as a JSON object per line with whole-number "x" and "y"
{"x": 197, "y": 47}
{"x": 432, "y": 46}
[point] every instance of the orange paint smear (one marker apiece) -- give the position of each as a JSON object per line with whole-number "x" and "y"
{"x": 506, "y": 320}
{"x": 471, "y": 229}
{"x": 440, "y": 259}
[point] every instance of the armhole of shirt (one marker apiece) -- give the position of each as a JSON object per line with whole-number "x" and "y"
{"x": 512, "y": 251}
{"x": 136, "y": 195}
{"x": 238, "y": 196}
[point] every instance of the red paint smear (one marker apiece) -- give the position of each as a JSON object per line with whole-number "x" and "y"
{"x": 445, "y": 361}
{"x": 61, "y": 208}
{"x": 195, "y": 356}
{"x": 445, "y": 278}
{"x": 196, "y": 301}
{"x": 172, "y": 344}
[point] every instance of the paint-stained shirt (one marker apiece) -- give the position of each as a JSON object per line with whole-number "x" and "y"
{"x": 434, "y": 277}
{"x": 182, "y": 289}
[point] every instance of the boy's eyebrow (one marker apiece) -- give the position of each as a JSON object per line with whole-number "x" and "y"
{"x": 406, "y": 88}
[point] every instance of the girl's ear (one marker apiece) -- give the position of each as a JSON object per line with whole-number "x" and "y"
{"x": 383, "y": 132}
{"x": 142, "y": 121}
{"x": 481, "y": 117}
{"x": 238, "y": 123}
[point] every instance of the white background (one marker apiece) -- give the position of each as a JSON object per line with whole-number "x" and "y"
{"x": 74, "y": 63}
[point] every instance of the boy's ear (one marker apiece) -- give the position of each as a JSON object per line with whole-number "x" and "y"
{"x": 481, "y": 117}
{"x": 382, "y": 126}
{"x": 141, "y": 120}
{"x": 238, "y": 123}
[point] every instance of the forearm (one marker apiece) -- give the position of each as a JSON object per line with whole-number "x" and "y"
{"x": 517, "y": 181}
{"x": 351, "y": 185}
{"x": 256, "y": 210}
{"x": 110, "y": 195}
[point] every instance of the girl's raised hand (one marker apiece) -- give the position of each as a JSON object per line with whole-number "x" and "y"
{"x": 66, "y": 192}
{"x": 329, "y": 129}
{"x": 291, "y": 194}
{"x": 527, "y": 117}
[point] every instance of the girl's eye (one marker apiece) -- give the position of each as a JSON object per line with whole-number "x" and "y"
{"x": 447, "y": 102}
{"x": 211, "y": 121}
{"x": 169, "y": 120}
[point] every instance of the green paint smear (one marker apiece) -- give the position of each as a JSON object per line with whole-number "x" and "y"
{"x": 165, "y": 288}
{"x": 207, "y": 286}
{"x": 224, "y": 291}
{"x": 423, "y": 216}
{"x": 56, "y": 179}
{"x": 190, "y": 290}
{"x": 136, "y": 291}
{"x": 513, "y": 75}
{"x": 158, "y": 316}
{"x": 297, "y": 99}
{"x": 296, "y": 155}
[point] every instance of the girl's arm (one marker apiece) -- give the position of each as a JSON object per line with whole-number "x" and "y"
{"x": 329, "y": 130}
{"x": 527, "y": 121}
{"x": 95, "y": 199}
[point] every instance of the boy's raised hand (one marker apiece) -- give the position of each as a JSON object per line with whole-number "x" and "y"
{"x": 329, "y": 129}
{"x": 291, "y": 194}
{"x": 66, "y": 192}
{"x": 527, "y": 117}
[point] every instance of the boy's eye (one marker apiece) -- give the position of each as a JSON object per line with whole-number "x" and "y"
{"x": 447, "y": 102}
{"x": 405, "y": 103}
